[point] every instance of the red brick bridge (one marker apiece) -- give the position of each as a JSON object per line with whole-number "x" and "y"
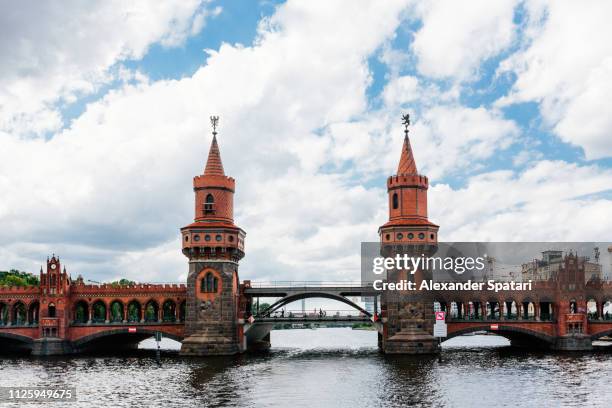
{"x": 63, "y": 316}
{"x": 564, "y": 312}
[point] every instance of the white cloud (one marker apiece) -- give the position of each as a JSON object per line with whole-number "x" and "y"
{"x": 110, "y": 191}
{"x": 456, "y": 37}
{"x": 54, "y": 51}
{"x": 566, "y": 66}
{"x": 526, "y": 156}
{"x": 119, "y": 178}
{"x": 456, "y": 138}
{"x": 549, "y": 201}
{"x": 401, "y": 90}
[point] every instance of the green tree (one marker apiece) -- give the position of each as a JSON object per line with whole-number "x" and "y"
{"x": 262, "y": 307}
{"x": 122, "y": 282}
{"x": 17, "y": 278}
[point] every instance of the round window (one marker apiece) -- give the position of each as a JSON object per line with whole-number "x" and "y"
{"x": 387, "y": 237}
{"x": 400, "y": 235}
{"x": 421, "y": 236}
{"x": 196, "y": 237}
{"x": 218, "y": 237}
{"x": 230, "y": 239}
{"x": 431, "y": 236}
{"x": 411, "y": 236}
{"x": 186, "y": 238}
{"x": 207, "y": 238}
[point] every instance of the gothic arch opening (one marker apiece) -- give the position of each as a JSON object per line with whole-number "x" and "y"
{"x": 607, "y": 310}
{"x": 209, "y": 283}
{"x": 151, "y": 311}
{"x": 19, "y": 314}
{"x": 4, "y": 314}
{"x": 81, "y": 312}
{"x": 51, "y": 311}
{"x": 98, "y": 312}
{"x": 116, "y": 311}
{"x": 134, "y": 311}
{"x": 169, "y": 311}
{"x": 33, "y": 313}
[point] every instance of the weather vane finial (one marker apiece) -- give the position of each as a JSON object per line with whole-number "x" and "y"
{"x": 406, "y": 122}
{"x": 214, "y": 121}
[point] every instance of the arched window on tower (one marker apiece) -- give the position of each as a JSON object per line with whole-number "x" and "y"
{"x": 395, "y": 201}
{"x": 51, "y": 310}
{"x": 209, "y": 283}
{"x": 209, "y": 205}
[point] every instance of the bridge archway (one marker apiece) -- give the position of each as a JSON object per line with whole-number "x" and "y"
{"x": 119, "y": 338}
{"x": 307, "y": 295}
{"x": 10, "y": 342}
{"x": 601, "y": 334}
{"x": 517, "y": 335}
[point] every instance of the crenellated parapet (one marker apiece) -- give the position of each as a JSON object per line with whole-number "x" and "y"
{"x": 407, "y": 180}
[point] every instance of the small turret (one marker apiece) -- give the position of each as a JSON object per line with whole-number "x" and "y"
{"x": 213, "y": 233}
{"x": 407, "y": 190}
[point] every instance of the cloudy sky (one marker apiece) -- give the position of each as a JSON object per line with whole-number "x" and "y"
{"x": 104, "y": 112}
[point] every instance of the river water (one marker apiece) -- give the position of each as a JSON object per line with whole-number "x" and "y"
{"x": 327, "y": 368}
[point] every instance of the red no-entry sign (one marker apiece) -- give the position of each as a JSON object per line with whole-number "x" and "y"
{"x": 131, "y": 330}
{"x": 494, "y": 327}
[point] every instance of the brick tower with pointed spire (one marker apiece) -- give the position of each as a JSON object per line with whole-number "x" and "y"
{"x": 214, "y": 245}
{"x": 409, "y": 315}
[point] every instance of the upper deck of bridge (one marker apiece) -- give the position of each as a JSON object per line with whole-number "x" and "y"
{"x": 286, "y": 288}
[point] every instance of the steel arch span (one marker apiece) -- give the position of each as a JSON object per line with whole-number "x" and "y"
{"x": 309, "y": 294}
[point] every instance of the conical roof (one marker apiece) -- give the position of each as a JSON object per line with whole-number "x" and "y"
{"x": 214, "y": 166}
{"x": 407, "y": 165}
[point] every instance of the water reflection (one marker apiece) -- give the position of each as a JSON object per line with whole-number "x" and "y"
{"x": 328, "y": 368}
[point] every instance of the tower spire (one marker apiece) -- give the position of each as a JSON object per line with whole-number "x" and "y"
{"x": 214, "y": 166}
{"x": 407, "y": 165}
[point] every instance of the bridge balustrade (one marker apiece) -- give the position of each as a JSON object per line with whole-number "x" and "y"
{"x": 299, "y": 314}
{"x": 306, "y": 284}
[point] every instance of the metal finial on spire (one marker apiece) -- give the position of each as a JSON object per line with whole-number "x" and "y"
{"x": 406, "y": 122}
{"x": 214, "y": 121}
